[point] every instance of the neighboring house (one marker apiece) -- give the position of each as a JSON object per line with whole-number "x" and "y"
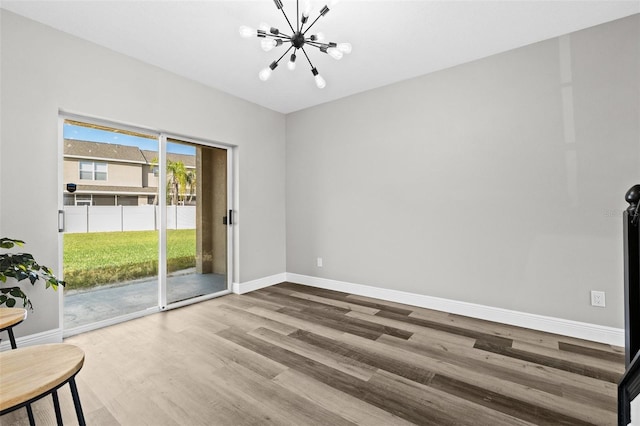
{"x": 108, "y": 174}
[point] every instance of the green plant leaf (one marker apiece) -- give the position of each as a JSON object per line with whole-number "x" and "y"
{"x": 10, "y": 242}
{"x": 21, "y": 266}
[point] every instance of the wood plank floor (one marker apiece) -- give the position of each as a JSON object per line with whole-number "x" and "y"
{"x": 296, "y": 355}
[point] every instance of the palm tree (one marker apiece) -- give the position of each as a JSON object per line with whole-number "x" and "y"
{"x": 190, "y": 180}
{"x": 176, "y": 180}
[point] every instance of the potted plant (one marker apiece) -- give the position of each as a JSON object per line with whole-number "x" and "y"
{"x": 21, "y": 266}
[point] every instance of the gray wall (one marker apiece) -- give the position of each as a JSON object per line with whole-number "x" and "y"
{"x": 44, "y": 70}
{"x": 498, "y": 182}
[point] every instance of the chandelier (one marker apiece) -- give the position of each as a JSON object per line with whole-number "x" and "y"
{"x": 297, "y": 40}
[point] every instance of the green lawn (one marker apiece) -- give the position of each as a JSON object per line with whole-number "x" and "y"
{"x": 105, "y": 257}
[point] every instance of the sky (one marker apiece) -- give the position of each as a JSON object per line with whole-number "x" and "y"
{"x": 95, "y": 135}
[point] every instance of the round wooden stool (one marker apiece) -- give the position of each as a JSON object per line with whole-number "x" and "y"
{"x": 28, "y": 374}
{"x": 10, "y": 317}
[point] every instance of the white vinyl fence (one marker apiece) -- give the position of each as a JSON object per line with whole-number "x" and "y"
{"x": 125, "y": 218}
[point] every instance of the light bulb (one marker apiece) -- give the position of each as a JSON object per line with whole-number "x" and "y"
{"x": 247, "y": 32}
{"x": 320, "y": 81}
{"x": 334, "y": 53}
{"x": 306, "y": 8}
{"x": 264, "y": 27}
{"x": 344, "y": 47}
{"x": 265, "y": 74}
{"x": 292, "y": 62}
{"x": 320, "y": 37}
{"x": 268, "y": 44}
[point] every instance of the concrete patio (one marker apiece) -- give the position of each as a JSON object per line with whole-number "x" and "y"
{"x": 82, "y": 307}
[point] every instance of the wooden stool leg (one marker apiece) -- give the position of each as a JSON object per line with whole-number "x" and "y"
{"x": 12, "y": 338}
{"x": 76, "y": 401}
{"x": 32, "y": 421}
{"x": 56, "y": 407}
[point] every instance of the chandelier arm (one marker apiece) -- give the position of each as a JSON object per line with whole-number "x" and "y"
{"x": 313, "y": 43}
{"x": 307, "y": 56}
{"x": 309, "y": 27}
{"x": 301, "y": 28}
{"x": 283, "y": 55}
{"x": 288, "y": 22}
{"x": 298, "y": 15}
{"x": 280, "y": 35}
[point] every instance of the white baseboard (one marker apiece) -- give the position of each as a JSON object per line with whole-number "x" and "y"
{"x": 49, "y": 336}
{"x": 580, "y": 330}
{"x": 241, "y": 288}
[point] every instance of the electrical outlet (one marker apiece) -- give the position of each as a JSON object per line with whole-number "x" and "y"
{"x": 319, "y": 262}
{"x": 597, "y": 298}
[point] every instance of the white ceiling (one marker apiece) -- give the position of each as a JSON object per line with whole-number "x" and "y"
{"x": 392, "y": 40}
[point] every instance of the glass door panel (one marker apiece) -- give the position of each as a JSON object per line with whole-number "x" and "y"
{"x": 110, "y": 237}
{"x": 196, "y": 204}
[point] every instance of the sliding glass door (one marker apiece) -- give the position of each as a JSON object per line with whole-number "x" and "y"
{"x": 143, "y": 222}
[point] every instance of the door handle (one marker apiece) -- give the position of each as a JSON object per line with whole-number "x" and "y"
{"x": 60, "y": 220}
{"x": 228, "y": 220}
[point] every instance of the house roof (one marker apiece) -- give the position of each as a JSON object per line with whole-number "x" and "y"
{"x": 188, "y": 160}
{"x": 116, "y": 152}
{"x": 84, "y": 149}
